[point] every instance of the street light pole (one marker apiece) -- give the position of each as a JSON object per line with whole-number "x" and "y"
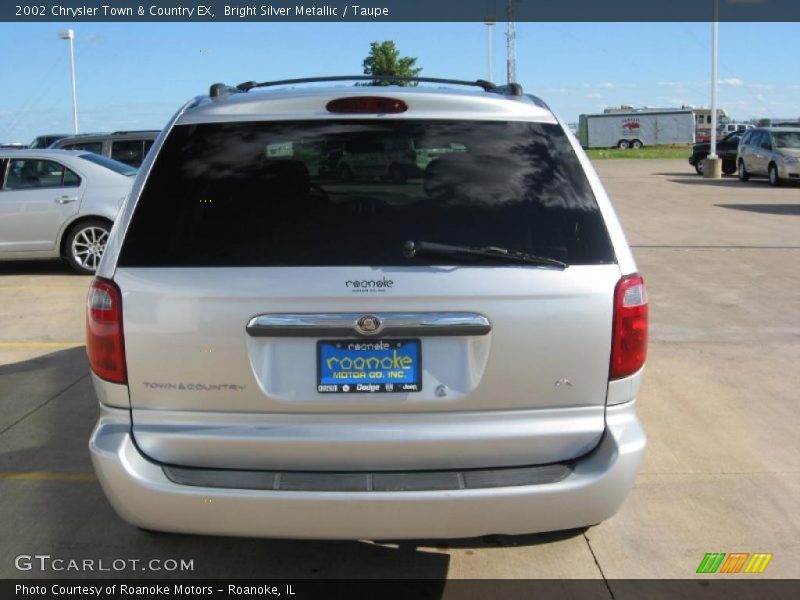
{"x": 712, "y": 167}
{"x": 69, "y": 34}
{"x": 714, "y": 83}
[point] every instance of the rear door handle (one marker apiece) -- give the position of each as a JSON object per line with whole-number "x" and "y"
{"x": 66, "y": 199}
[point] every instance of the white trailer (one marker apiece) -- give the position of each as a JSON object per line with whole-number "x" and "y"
{"x": 636, "y": 129}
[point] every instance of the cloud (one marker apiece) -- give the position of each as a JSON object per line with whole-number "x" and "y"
{"x": 760, "y": 86}
{"x": 602, "y": 84}
{"x": 594, "y": 95}
{"x": 732, "y": 81}
{"x": 91, "y": 38}
{"x": 675, "y": 84}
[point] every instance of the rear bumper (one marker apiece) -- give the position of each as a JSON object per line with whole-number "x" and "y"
{"x": 143, "y": 495}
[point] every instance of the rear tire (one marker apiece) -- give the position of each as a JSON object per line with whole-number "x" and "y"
{"x": 85, "y": 244}
{"x": 743, "y": 174}
{"x": 700, "y": 165}
{"x": 774, "y": 179}
{"x": 637, "y": 144}
{"x": 623, "y": 144}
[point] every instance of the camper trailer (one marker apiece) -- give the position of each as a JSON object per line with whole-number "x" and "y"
{"x": 634, "y": 129}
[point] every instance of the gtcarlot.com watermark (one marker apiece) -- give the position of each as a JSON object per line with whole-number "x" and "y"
{"x": 45, "y": 562}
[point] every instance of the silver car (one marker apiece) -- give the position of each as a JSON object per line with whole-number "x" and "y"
{"x": 280, "y": 354}
{"x": 59, "y": 203}
{"x": 772, "y": 152}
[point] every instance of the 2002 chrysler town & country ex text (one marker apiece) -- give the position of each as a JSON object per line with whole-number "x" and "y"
{"x": 450, "y": 345}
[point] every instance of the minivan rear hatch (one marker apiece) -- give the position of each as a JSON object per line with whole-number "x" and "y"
{"x": 250, "y": 279}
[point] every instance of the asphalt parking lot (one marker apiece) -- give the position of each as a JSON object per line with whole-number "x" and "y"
{"x": 719, "y": 403}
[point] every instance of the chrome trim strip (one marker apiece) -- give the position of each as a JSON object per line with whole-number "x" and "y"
{"x": 346, "y": 324}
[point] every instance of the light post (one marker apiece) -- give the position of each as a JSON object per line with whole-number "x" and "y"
{"x": 712, "y": 168}
{"x": 69, "y": 34}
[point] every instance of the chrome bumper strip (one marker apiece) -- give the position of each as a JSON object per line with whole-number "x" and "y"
{"x": 368, "y": 324}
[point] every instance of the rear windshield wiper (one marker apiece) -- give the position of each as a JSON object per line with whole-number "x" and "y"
{"x": 413, "y": 249}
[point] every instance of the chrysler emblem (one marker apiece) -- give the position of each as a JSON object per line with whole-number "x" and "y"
{"x": 369, "y": 324}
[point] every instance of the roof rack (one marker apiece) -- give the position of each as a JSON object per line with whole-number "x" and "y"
{"x": 136, "y": 131}
{"x": 88, "y": 134}
{"x": 218, "y": 89}
{"x": 511, "y": 89}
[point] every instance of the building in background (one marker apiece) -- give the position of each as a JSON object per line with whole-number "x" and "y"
{"x": 702, "y": 119}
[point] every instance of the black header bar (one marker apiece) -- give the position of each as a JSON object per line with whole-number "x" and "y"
{"x": 707, "y": 588}
{"x": 277, "y": 11}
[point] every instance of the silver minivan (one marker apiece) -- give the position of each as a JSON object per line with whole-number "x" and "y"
{"x": 772, "y": 152}
{"x": 279, "y": 354}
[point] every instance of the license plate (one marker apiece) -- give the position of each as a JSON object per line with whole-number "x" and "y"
{"x": 358, "y": 366}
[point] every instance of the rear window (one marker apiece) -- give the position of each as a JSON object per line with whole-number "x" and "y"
{"x": 130, "y": 152}
{"x": 787, "y": 139}
{"x": 96, "y": 147}
{"x": 27, "y": 173}
{"x": 341, "y": 192}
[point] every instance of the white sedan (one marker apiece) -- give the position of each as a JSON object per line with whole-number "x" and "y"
{"x": 59, "y": 203}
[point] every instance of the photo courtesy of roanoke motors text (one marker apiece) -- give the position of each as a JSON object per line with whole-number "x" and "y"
{"x": 439, "y": 300}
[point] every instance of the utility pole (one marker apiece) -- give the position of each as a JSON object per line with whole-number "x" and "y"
{"x": 511, "y": 43}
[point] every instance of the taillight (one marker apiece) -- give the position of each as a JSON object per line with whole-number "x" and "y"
{"x": 104, "y": 341}
{"x": 367, "y": 104}
{"x": 629, "y": 338}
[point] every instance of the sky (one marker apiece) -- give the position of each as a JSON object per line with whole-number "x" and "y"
{"x": 136, "y": 75}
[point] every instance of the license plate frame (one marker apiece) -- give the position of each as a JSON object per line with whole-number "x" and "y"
{"x": 379, "y": 350}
